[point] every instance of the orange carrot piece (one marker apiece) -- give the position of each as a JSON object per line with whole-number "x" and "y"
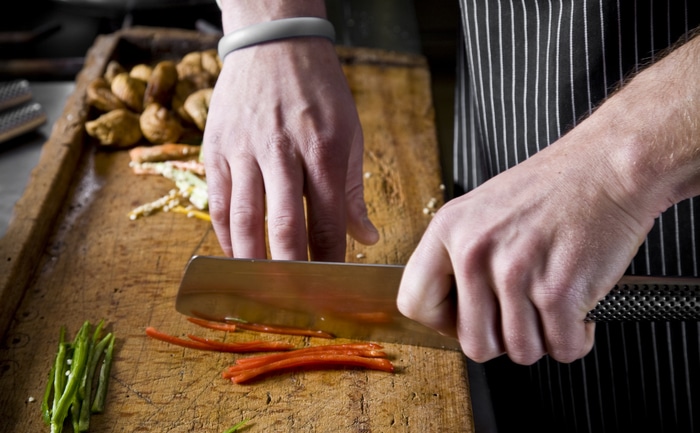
{"x": 286, "y": 330}
{"x": 249, "y": 346}
{"x": 233, "y": 370}
{"x": 228, "y": 327}
{"x": 314, "y": 361}
{"x": 371, "y": 349}
{"x": 204, "y": 344}
{"x": 154, "y": 333}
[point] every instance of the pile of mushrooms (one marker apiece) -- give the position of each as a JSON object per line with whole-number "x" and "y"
{"x": 158, "y": 103}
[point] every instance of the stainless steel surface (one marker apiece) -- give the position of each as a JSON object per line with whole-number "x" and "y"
{"x": 349, "y": 300}
{"x": 19, "y": 156}
{"x": 19, "y": 120}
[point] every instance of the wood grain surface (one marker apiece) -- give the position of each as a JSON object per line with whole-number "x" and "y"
{"x": 71, "y": 255}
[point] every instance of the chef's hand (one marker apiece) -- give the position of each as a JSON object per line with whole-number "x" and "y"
{"x": 532, "y": 250}
{"x": 283, "y": 127}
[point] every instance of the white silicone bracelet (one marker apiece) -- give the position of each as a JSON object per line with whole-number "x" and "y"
{"x": 275, "y": 30}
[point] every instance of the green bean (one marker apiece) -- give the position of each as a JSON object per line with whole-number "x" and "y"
{"x": 96, "y": 353}
{"x": 70, "y": 392}
{"x": 59, "y": 378}
{"x": 77, "y": 369}
{"x": 101, "y": 394}
{"x": 45, "y": 409}
{"x": 236, "y": 427}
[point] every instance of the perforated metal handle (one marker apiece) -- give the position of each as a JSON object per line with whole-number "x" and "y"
{"x": 649, "y": 298}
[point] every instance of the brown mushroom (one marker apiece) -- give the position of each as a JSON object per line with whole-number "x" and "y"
{"x": 130, "y": 90}
{"x": 185, "y": 87}
{"x": 211, "y": 62}
{"x": 197, "y": 106}
{"x": 100, "y": 96}
{"x": 160, "y": 125}
{"x": 161, "y": 84}
{"x": 118, "y": 128}
{"x": 141, "y": 71}
{"x": 113, "y": 69}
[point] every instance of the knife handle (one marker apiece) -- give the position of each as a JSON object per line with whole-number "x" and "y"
{"x": 649, "y": 298}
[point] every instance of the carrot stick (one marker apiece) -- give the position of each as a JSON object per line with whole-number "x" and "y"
{"x": 286, "y": 330}
{"x": 205, "y": 344}
{"x": 153, "y": 333}
{"x": 370, "y": 348}
{"x": 315, "y": 361}
{"x": 250, "y": 346}
{"x": 238, "y": 367}
{"x": 228, "y": 327}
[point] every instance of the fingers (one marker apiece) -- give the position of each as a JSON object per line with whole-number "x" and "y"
{"x": 448, "y": 289}
{"x": 219, "y": 190}
{"x": 359, "y": 225}
{"x": 246, "y": 213}
{"x": 284, "y": 180}
{"x": 325, "y": 194}
{"x": 567, "y": 337}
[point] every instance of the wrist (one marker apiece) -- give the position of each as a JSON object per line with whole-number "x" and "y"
{"x": 237, "y": 14}
{"x": 664, "y": 102}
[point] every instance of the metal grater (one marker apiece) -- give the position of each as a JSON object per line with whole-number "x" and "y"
{"x": 19, "y": 120}
{"x": 18, "y": 114}
{"x": 14, "y": 93}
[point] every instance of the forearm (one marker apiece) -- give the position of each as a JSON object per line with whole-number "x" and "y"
{"x": 236, "y": 14}
{"x": 655, "y": 125}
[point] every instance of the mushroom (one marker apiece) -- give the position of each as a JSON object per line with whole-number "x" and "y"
{"x": 130, "y": 90}
{"x": 100, "y": 96}
{"x": 197, "y": 106}
{"x": 119, "y": 128}
{"x": 161, "y": 84}
{"x": 159, "y": 125}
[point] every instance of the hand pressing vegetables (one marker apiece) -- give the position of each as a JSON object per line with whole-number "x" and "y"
{"x": 71, "y": 393}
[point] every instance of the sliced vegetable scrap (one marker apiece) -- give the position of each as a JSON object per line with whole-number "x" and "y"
{"x": 237, "y": 426}
{"x": 190, "y": 188}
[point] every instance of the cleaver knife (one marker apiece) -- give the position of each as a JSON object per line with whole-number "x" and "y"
{"x": 358, "y": 301}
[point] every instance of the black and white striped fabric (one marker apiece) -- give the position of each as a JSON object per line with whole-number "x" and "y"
{"x": 528, "y": 72}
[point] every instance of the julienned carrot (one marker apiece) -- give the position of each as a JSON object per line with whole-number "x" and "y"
{"x": 369, "y": 349}
{"x": 154, "y": 333}
{"x": 228, "y": 327}
{"x": 259, "y": 346}
{"x": 314, "y": 361}
{"x": 249, "y": 346}
{"x": 238, "y": 368}
{"x": 286, "y": 330}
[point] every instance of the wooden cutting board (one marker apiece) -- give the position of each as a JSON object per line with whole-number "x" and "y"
{"x": 71, "y": 254}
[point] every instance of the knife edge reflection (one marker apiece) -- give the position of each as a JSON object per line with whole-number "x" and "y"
{"x": 349, "y": 300}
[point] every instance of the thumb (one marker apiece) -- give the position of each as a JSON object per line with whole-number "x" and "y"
{"x": 427, "y": 292}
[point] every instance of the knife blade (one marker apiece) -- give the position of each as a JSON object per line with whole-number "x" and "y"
{"x": 358, "y": 301}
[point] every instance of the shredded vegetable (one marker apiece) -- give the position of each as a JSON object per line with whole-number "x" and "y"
{"x": 363, "y": 355}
